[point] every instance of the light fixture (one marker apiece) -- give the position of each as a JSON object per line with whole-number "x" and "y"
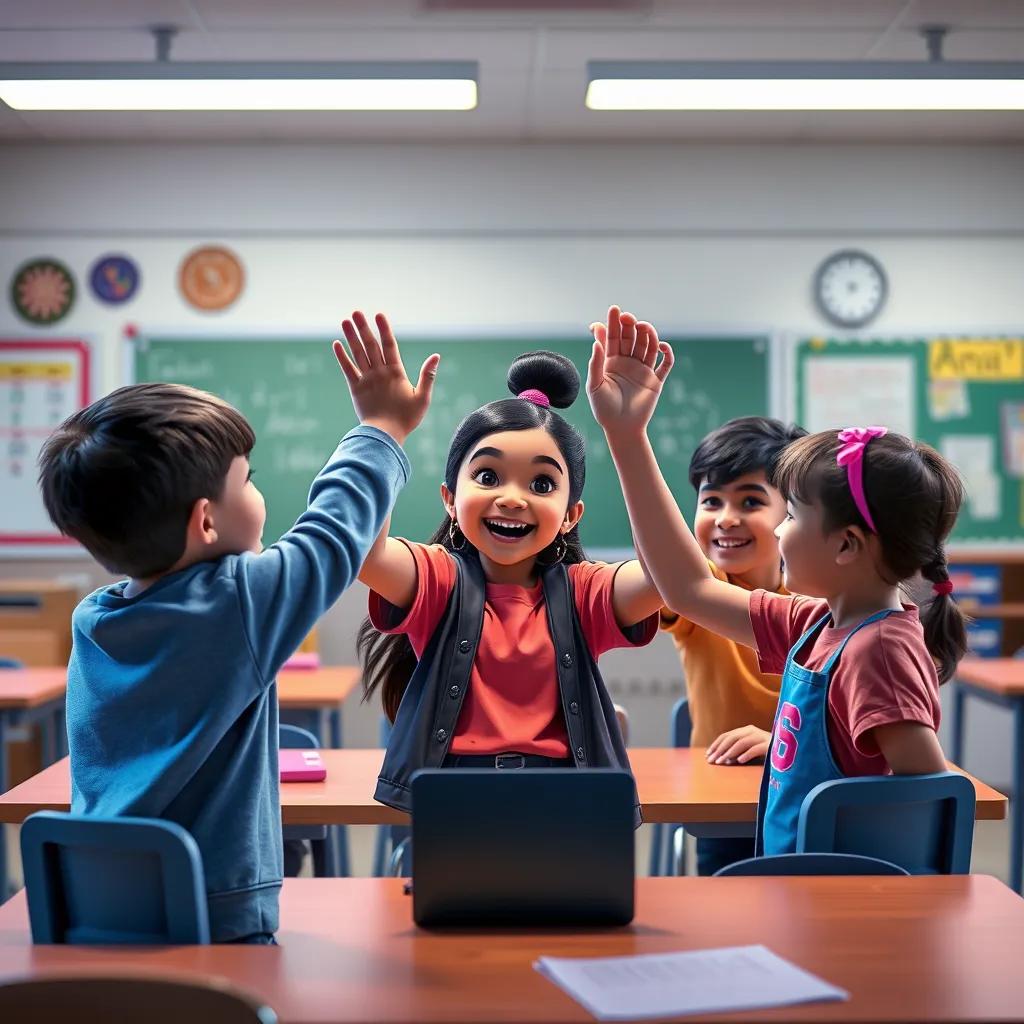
{"x": 804, "y": 85}
{"x": 174, "y": 85}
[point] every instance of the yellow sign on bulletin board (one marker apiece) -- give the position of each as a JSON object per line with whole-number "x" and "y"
{"x": 976, "y": 359}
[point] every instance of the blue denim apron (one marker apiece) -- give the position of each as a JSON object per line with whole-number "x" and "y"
{"x": 800, "y": 756}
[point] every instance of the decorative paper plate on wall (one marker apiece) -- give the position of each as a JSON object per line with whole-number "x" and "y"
{"x": 211, "y": 278}
{"x": 114, "y": 279}
{"x": 42, "y": 291}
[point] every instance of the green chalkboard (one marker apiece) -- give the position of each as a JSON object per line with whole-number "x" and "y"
{"x": 295, "y": 397}
{"x": 855, "y": 381}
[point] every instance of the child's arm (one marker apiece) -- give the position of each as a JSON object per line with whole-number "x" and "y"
{"x": 910, "y": 748}
{"x": 286, "y": 588}
{"x": 623, "y": 385}
{"x": 390, "y": 569}
{"x": 634, "y": 595}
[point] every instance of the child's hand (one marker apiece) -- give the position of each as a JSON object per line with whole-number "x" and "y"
{"x": 739, "y": 746}
{"x": 624, "y": 378}
{"x": 381, "y": 392}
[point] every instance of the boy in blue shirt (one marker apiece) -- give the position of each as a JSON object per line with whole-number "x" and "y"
{"x": 171, "y": 700}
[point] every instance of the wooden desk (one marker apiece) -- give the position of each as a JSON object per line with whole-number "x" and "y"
{"x": 26, "y": 696}
{"x": 998, "y": 681}
{"x": 676, "y": 784}
{"x": 941, "y": 948}
{"x": 312, "y": 698}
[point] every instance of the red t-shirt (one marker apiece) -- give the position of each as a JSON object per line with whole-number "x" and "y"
{"x": 513, "y": 702}
{"x": 884, "y": 675}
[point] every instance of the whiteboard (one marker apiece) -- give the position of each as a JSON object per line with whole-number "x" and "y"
{"x": 41, "y": 383}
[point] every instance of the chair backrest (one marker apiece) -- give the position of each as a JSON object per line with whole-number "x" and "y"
{"x": 924, "y": 823}
{"x": 293, "y": 737}
{"x": 127, "y": 1000}
{"x": 682, "y": 724}
{"x": 812, "y": 864}
{"x": 10, "y": 663}
{"x": 112, "y": 881}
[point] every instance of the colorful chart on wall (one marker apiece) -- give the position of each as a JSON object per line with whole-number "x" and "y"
{"x": 211, "y": 278}
{"x": 962, "y": 395}
{"x": 41, "y": 383}
{"x": 42, "y": 291}
{"x": 114, "y": 279}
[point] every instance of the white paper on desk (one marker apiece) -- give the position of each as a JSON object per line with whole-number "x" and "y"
{"x": 673, "y": 984}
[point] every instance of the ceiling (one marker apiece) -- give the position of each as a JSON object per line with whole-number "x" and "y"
{"x": 532, "y": 57}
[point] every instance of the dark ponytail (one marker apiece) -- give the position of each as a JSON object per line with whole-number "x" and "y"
{"x": 914, "y": 496}
{"x": 388, "y": 659}
{"x": 944, "y": 624}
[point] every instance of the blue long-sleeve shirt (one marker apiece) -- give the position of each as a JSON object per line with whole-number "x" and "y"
{"x": 171, "y": 701}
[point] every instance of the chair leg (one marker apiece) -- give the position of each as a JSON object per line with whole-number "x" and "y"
{"x": 380, "y": 850}
{"x": 396, "y": 867}
{"x": 340, "y": 837}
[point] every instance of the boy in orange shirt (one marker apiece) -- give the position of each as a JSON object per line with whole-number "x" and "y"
{"x": 732, "y": 703}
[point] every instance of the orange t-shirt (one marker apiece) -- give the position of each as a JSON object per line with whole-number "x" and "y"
{"x": 513, "y": 701}
{"x": 884, "y": 675}
{"x": 726, "y": 687}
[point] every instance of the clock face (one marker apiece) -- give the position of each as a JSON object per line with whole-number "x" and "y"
{"x": 850, "y": 288}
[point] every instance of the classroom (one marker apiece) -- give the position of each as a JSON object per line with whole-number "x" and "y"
{"x": 820, "y": 209}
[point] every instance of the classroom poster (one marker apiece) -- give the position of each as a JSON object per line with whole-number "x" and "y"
{"x": 41, "y": 383}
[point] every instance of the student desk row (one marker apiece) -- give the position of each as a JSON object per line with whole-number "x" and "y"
{"x": 997, "y": 681}
{"x": 308, "y": 697}
{"x": 675, "y": 784}
{"x": 937, "y": 948}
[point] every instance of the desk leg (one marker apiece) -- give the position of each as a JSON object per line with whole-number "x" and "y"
{"x": 1017, "y": 798}
{"x": 336, "y": 728}
{"x": 957, "y": 725}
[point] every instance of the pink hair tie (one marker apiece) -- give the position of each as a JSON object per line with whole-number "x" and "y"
{"x": 854, "y": 441}
{"x": 535, "y": 396}
{"x": 945, "y": 587}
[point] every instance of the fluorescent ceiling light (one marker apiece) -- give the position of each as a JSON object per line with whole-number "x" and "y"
{"x": 169, "y": 85}
{"x": 876, "y": 85}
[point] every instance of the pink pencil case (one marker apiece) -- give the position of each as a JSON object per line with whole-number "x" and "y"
{"x": 303, "y": 659}
{"x": 301, "y": 766}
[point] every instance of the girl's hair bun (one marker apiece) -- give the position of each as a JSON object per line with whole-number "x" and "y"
{"x": 545, "y": 371}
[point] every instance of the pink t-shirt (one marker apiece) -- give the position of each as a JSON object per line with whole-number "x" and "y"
{"x": 513, "y": 701}
{"x": 884, "y": 675}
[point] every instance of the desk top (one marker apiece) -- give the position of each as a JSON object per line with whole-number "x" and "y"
{"x": 24, "y": 688}
{"x": 322, "y": 687}
{"x": 1004, "y": 676}
{"x": 939, "y": 948}
{"x": 676, "y": 784}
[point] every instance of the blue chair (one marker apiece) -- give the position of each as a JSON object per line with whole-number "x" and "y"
{"x": 663, "y": 838}
{"x": 812, "y": 864}
{"x": 329, "y": 844}
{"x": 392, "y": 841}
{"x": 4, "y": 884}
{"x": 924, "y": 823}
{"x": 112, "y": 881}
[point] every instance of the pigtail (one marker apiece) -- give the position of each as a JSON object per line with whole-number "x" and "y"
{"x": 944, "y": 624}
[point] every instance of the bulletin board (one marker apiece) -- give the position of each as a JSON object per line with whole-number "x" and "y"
{"x": 41, "y": 383}
{"x": 962, "y": 395}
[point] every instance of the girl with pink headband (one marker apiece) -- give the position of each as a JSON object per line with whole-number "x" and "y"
{"x": 484, "y": 641}
{"x": 867, "y": 510}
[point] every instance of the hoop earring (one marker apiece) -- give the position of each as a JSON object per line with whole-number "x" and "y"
{"x": 560, "y": 549}
{"x": 452, "y": 530}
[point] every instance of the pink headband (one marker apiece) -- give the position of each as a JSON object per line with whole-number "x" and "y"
{"x": 535, "y": 396}
{"x": 854, "y": 441}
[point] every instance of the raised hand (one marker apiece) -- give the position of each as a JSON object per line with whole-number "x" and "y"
{"x": 625, "y": 377}
{"x": 381, "y": 391}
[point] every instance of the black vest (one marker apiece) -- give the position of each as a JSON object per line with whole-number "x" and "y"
{"x": 430, "y": 707}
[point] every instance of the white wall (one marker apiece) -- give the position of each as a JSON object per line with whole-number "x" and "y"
{"x": 484, "y": 239}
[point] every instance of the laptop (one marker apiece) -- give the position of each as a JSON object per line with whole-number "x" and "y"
{"x": 531, "y": 846}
